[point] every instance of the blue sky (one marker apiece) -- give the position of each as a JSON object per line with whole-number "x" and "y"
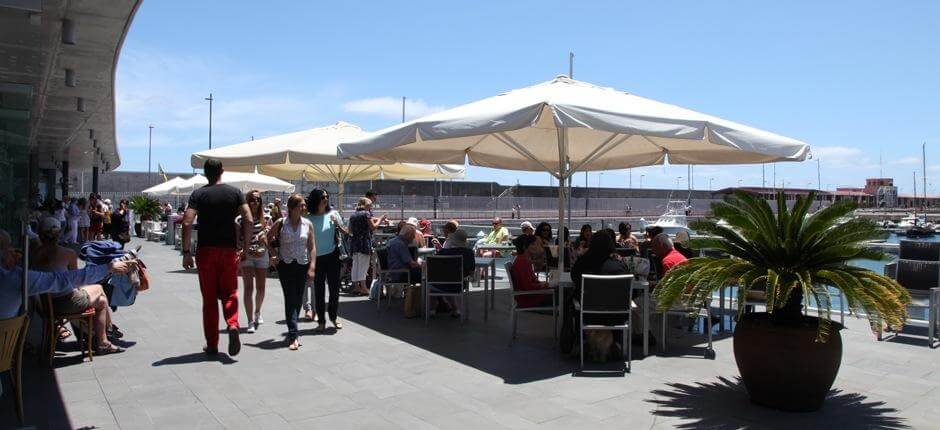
{"x": 852, "y": 79}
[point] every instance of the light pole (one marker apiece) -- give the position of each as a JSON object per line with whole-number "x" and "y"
{"x": 149, "y": 153}
{"x": 641, "y": 180}
{"x": 210, "y": 119}
{"x": 710, "y": 183}
{"x": 678, "y": 179}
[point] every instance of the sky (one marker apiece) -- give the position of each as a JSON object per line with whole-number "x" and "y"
{"x": 858, "y": 81}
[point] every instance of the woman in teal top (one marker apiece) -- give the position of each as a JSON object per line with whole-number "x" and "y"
{"x": 327, "y": 225}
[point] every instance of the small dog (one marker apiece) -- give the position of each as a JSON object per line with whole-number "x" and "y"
{"x": 597, "y": 345}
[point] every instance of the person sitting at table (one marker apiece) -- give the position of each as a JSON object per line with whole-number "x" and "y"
{"x": 448, "y": 229}
{"x": 457, "y": 245}
{"x": 625, "y": 238}
{"x": 584, "y": 239}
{"x": 601, "y": 259}
{"x": 681, "y": 244}
{"x": 539, "y": 262}
{"x": 399, "y": 257}
{"x": 497, "y": 236}
{"x": 523, "y": 274}
{"x": 663, "y": 246}
{"x": 418, "y": 241}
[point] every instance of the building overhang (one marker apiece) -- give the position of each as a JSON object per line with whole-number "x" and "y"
{"x": 67, "y": 51}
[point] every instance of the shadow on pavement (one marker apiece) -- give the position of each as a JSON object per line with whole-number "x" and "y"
{"x": 725, "y": 404}
{"x": 195, "y": 357}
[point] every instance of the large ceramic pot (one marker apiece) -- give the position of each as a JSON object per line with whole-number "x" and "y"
{"x": 783, "y": 367}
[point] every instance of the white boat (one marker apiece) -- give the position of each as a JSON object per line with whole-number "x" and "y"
{"x": 674, "y": 217}
{"x": 912, "y": 221}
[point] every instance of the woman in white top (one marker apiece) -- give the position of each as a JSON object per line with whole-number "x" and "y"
{"x": 294, "y": 241}
{"x": 255, "y": 262}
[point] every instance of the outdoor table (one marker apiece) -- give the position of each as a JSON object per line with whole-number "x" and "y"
{"x": 483, "y": 263}
{"x": 565, "y": 282}
{"x": 426, "y": 251}
{"x": 496, "y": 247}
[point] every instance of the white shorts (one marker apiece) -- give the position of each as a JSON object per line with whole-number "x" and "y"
{"x": 360, "y": 266}
{"x": 260, "y": 262}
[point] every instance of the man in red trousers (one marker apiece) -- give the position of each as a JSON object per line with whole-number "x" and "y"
{"x": 217, "y": 205}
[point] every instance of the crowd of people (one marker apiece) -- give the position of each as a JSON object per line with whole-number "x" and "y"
{"x": 310, "y": 246}
{"x": 84, "y": 219}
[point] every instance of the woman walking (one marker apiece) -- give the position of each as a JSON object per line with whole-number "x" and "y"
{"x": 255, "y": 262}
{"x": 327, "y": 225}
{"x": 83, "y": 220}
{"x": 294, "y": 240}
{"x": 121, "y": 224}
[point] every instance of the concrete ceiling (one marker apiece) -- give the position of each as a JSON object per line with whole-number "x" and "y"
{"x": 32, "y": 52}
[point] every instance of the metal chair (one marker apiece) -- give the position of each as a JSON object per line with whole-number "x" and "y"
{"x": 51, "y": 326}
{"x": 384, "y": 274}
{"x": 442, "y": 275}
{"x": 922, "y": 280}
{"x": 12, "y": 339}
{"x": 702, "y": 311}
{"x": 514, "y": 308}
{"x": 611, "y": 296}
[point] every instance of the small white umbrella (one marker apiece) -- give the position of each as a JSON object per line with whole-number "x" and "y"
{"x": 563, "y": 126}
{"x": 165, "y": 189}
{"x": 243, "y": 181}
{"x": 311, "y": 155}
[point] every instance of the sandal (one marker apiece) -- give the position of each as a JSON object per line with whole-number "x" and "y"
{"x": 337, "y": 324}
{"x": 110, "y": 349}
{"x": 294, "y": 345}
{"x": 64, "y": 333}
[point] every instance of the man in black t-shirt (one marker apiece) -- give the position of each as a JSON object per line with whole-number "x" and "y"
{"x": 217, "y": 205}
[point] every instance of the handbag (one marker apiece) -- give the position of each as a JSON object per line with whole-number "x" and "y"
{"x": 342, "y": 253}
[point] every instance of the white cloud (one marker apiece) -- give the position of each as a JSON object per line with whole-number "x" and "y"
{"x": 390, "y": 107}
{"x": 906, "y": 161}
{"x": 842, "y": 157}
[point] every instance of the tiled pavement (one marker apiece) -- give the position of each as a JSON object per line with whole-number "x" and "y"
{"x": 382, "y": 371}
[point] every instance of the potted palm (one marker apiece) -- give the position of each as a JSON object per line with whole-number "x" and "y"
{"x": 144, "y": 207}
{"x": 787, "y": 360}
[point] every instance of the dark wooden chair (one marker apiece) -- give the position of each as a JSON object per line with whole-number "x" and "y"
{"x": 52, "y": 322}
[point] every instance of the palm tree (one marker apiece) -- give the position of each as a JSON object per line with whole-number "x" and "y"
{"x": 788, "y": 256}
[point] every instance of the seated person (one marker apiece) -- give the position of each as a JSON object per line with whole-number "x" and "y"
{"x": 584, "y": 239}
{"x": 399, "y": 257}
{"x": 662, "y": 246}
{"x": 419, "y": 240}
{"x": 449, "y": 228}
{"x": 424, "y": 226}
{"x": 523, "y": 275}
{"x": 681, "y": 244}
{"x": 457, "y": 242}
{"x": 626, "y": 239}
{"x": 61, "y": 282}
{"x": 601, "y": 259}
{"x": 497, "y": 236}
{"x": 538, "y": 260}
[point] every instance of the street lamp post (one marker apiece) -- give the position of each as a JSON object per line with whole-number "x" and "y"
{"x": 710, "y": 183}
{"x": 641, "y": 180}
{"x": 210, "y": 119}
{"x": 149, "y": 153}
{"x": 678, "y": 179}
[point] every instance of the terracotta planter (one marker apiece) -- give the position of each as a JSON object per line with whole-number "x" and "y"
{"x": 783, "y": 367}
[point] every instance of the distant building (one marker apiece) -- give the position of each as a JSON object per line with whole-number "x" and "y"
{"x": 878, "y": 192}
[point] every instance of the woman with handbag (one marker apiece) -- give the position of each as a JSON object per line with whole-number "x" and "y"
{"x": 121, "y": 224}
{"x": 293, "y": 242}
{"x": 327, "y": 227}
{"x": 255, "y": 262}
